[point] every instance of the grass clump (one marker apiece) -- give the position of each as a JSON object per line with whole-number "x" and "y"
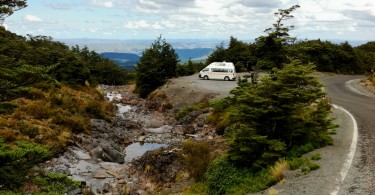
{"x": 279, "y": 169}
{"x": 304, "y": 164}
{"x": 187, "y": 110}
{"x": 316, "y": 156}
{"x": 197, "y": 158}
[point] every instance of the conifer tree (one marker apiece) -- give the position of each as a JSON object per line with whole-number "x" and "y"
{"x": 285, "y": 109}
{"x": 156, "y": 65}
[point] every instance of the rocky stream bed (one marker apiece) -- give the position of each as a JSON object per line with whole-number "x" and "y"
{"x": 135, "y": 152}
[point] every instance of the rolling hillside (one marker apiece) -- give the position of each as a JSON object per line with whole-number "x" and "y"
{"x": 128, "y": 60}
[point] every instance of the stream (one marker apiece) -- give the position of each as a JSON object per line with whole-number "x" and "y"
{"x": 101, "y": 160}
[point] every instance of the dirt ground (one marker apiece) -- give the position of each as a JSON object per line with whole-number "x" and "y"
{"x": 189, "y": 90}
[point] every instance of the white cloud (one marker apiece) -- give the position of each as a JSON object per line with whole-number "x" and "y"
{"x": 101, "y": 3}
{"x": 142, "y": 24}
{"x": 31, "y": 18}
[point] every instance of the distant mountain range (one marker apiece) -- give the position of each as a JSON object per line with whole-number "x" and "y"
{"x": 128, "y": 60}
{"x": 125, "y": 60}
{"x": 126, "y": 53}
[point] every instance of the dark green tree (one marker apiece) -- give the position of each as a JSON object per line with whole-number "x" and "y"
{"x": 330, "y": 57}
{"x": 270, "y": 49}
{"x": 157, "y": 64}
{"x": 285, "y": 109}
{"x": 239, "y": 53}
{"x": 366, "y": 55}
{"x": 8, "y": 7}
{"x": 218, "y": 55}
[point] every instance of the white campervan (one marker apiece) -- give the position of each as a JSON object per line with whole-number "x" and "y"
{"x": 219, "y": 70}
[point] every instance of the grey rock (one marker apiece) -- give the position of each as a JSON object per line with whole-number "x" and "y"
{"x": 111, "y": 154}
{"x": 97, "y": 153}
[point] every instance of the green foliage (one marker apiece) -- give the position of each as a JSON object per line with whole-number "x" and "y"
{"x": 198, "y": 188}
{"x": 55, "y": 183}
{"x": 223, "y": 177}
{"x": 8, "y": 7}
{"x": 187, "y": 110}
{"x": 184, "y": 112}
{"x": 315, "y": 156}
{"x": 218, "y": 55}
{"x": 189, "y": 68}
{"x": 17, "y": 160}
{"x": 366, "y": 54}
{"x": 304, "y": 164}
{"x": 284, "y": 110}
{"x": 297, "y": 151}
{"x": 156, "y": 65}
{"x": 197, "y": 157}
{"x": 7, "y": 107}
{"x": 329, "y": 57}
{"x": 26, "y": 62}
{"x": 102, "y": 70}
{"x": 238, "y": 52}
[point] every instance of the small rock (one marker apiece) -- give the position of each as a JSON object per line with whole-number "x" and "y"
{"x": 106, "y": 187}
{"x": 141, "y": 138}
{"x": 210, "y": 137}
{"x": 100, "y": 175}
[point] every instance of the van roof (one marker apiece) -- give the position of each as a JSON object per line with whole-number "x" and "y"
{"x": 221, "y": 64}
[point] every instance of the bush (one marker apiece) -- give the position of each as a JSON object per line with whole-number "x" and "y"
{"x": 197, "y": 157}
{"x": 55, "y": 183}
{"x": 16, "y": 161}
{"x": 223, "y": 177}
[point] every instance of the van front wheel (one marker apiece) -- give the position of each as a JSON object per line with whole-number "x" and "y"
{"x": 205, "y": 77}
{"x": 226, "y": 78}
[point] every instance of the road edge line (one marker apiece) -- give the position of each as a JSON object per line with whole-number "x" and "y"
{"x": 349, "y": 159}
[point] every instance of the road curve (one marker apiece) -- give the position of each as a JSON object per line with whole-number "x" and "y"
{"x": 360, "y": 178}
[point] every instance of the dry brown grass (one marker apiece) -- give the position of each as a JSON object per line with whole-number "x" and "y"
{"x": 50, "y": 117}
{"x": 279, "y": 169}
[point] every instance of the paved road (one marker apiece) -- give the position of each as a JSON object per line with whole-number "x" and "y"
{"x": 361, "y": 176}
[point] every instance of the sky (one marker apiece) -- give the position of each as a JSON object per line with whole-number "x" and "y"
{"x": 192, "y": 19}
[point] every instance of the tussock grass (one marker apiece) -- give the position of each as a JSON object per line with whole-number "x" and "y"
{"x": 279, "y": 169}
{"x": 51, "y": 116}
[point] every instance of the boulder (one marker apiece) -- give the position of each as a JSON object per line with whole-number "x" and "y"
{"x": 112, "y": 154}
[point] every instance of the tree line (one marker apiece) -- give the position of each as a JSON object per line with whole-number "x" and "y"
{"x": 26, "y": 61}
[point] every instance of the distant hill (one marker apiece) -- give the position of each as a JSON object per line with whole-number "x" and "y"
{"x": 128, "y": 60}
{"x": 185, "y": 54}
{"x": 124, "y": 60}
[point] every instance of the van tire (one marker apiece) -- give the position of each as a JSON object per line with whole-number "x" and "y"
{"x": 206, "y": 77}
{"x": 226, "y": 78}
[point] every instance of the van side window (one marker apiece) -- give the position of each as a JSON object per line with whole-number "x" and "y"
{"x": 219, "y": 70}
{"x": 205, "y": 70}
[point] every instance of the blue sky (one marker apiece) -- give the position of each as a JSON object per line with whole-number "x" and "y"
{"x": 192, "y": 19}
